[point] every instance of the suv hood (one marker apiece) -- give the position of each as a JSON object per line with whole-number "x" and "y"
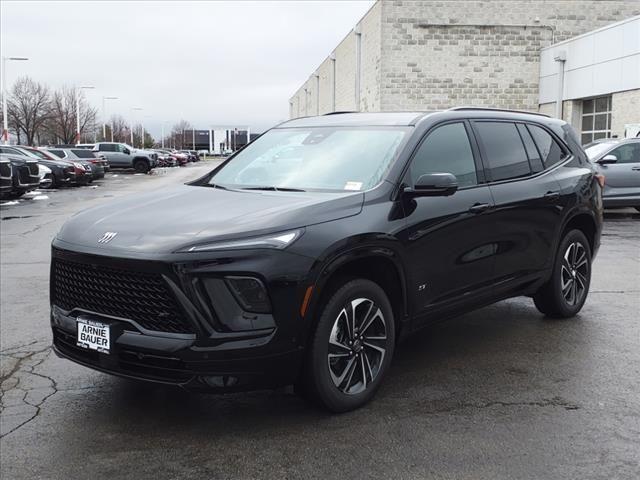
{"x": 163, "y": 221}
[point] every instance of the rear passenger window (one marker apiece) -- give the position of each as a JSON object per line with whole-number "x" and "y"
{"x": 506, "y": 156}
{"x": 549, "y": 149}
{"x": 107, "y": 147}
{"x": 446, "y": 150}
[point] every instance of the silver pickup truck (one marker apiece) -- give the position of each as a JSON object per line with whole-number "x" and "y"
{"x": 121, "y": 155}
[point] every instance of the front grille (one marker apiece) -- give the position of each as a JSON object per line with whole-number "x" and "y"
{"x": 33, "y": 168}
{"x": 142, "y": 297}
{"x": 24, "y": 175}
{"x": 5, "y": 170}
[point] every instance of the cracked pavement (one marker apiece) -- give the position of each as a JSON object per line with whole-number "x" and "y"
{"x": 498, "y": 393}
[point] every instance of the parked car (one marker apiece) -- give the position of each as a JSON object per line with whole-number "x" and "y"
{"x": 192, "y": 155}
{"x": 63, "y": 173}
{"x": 6, "y": 177}
{"x": 121, "y": 155}
{"x": 165, "y": 159}
{"x": 619, "y": 161}
{"x": 306, "y": 269}
{"x": 44, "y": 173}
{"x": 92, "y": 164}
{"x": 181, "y": 158}
{"x": 21, "y": 177}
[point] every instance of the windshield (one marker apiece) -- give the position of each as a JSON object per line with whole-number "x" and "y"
{"x": 597, "y": 148}
{"x": 324, "y": 158}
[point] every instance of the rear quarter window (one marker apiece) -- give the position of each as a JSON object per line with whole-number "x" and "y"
{"x": 550, "y": 151}
{"x": 82, "y": 153}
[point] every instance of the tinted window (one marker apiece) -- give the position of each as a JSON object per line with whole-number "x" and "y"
{"x": 107, "y": 147}
{"x": 446, "y": 150}
{"x": 532, "y": 151}
{"x": 59, "y": 153}
{"x": 628, "y": 153}
{"x": 549, "y": 149}
{"x": 82, "y": 153}
{"x": 504, "y": 150}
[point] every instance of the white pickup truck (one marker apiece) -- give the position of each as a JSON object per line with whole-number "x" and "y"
{"x": 121, "y": 155}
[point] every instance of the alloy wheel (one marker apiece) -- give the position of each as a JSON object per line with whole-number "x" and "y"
{"x": 357, "y": 346}
{"x": 574, "y": 273}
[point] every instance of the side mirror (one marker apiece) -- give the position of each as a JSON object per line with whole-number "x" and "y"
{"x": 608, "y": 160}
{"x": 126, "y": 151}
{"x": 434, "y": 185}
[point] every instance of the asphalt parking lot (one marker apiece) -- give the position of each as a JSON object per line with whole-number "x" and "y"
{"x": 497, "y": 393}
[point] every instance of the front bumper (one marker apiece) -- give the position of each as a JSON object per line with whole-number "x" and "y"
{"x": 178, "y": 362}
{"x": 211, "y": 353}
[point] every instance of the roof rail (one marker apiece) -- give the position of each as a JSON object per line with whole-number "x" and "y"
{"x": 337, "y": 113}
{"x": 498, "y": 110}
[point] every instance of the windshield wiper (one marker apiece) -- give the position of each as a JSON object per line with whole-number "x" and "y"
{"x": 215, "y": 185}
{"x": 274, "y": 189}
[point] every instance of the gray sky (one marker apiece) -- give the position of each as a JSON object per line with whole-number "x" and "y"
{"x": 210, "y": 63}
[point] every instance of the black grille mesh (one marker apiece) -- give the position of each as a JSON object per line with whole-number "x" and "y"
{"x": 138, "y": 296}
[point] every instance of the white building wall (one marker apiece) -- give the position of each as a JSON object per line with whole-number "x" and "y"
{"x": 597, "y": 63}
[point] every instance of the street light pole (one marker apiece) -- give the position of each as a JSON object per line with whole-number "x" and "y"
{"x": 5, "y": 120}
{"x": 104, "y": 119}
{"x": 78, "y": 111}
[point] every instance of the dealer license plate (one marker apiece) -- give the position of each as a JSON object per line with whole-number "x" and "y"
{"x": 93, "y": 335}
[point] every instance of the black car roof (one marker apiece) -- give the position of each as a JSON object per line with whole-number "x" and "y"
{"x": 357, "y": 119}
{"x": 344, "y": 119}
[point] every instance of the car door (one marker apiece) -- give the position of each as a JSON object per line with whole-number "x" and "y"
{"x": 126, "y": 153}
{"x": 113, "y": 154}
{"x": 526, "y": 194}
{"x": 622, "y": 179}
{"x": 449, "y": 246}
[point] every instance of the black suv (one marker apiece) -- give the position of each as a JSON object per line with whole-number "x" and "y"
{"x": 306, "y": 256}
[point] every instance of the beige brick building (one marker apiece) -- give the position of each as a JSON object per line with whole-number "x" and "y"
{"x": 425, "y": 55}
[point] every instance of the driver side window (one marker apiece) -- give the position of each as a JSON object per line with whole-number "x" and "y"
{"x": 446, "y": 150}
{"x": 628, "y": 153}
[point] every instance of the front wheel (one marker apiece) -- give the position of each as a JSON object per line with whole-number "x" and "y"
{"x": 566, "y": 291}
{"x": 352, "y": 346}
{"x": 141, "y": 166}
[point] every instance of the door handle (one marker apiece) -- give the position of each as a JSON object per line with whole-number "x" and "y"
{"x": 479, "y": 207}
{"x": 552, "y": 196}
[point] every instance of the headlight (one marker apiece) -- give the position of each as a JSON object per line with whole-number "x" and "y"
{"x": 276, "y": 241}
{"x": 78, "y": 165}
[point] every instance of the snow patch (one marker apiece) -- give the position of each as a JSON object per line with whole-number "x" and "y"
{"x": 41, "y": 197}
{"x": 13, "y": 202}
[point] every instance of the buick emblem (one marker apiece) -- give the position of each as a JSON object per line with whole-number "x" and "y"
{"x": 107, "y": 237}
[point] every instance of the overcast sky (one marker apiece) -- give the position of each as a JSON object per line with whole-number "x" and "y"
{"x": 211, "y": 63}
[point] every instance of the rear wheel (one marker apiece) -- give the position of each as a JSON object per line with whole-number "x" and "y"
{"x": 566, "y": 291}
{"x": 352, "y": 347}
{"x": 141, "y": 166}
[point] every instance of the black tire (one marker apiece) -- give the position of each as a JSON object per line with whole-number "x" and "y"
{"x": 566, "y": 291}
{"x": 637, "y": 208}
{"x": 361, "y": 359}
{"x": 141, "y": 166}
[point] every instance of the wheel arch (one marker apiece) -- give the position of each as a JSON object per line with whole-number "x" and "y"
{"x": 380, "y": 265}
{"x": 586, "y": 223}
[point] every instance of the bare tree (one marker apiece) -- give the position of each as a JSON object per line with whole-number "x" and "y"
{"x": 178, "y": 135}
{"x": 121, "y": 129}
{"x": 62, "y": 122}
{"x": 28, "y": 108}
